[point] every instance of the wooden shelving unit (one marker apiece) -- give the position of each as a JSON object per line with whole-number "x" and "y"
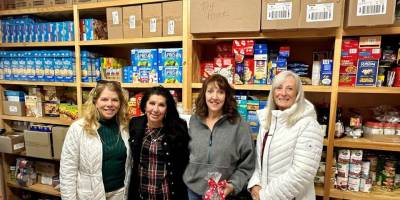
{"x": 139, "y": 85}
{"x": 40, "y": 188}
{"x": 374, "y": 143}
{"x": 131, "y": 41}
{"x": 372, "y": 90}
{"x": 39, "y": 44}
{"x": 319, "y": 190}
{"x": 43, "y": 10}
{"x": 374, "y": 195}
{"x": 59, "y": 84}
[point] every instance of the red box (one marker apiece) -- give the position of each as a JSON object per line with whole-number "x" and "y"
{"x": 350, "y": 43}
{"x": 138, "y": 100}
{"x": 206, "y": 70}
{"x": 369, "y": 53}
{"x": 243, "y": 47}
{"x": 347, "y": 80}
{"x": 348, "y": 61}
{"x": 224, "y": 50}
{"x": 348, "y": 69}
{"x": 249, "y": 71}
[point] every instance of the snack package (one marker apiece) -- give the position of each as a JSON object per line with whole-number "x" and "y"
{"x": 215, "y": 189}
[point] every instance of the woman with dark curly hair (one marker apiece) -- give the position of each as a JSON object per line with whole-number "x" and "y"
{"x": 159, "y": 143}
{"x": 220, "y": 141}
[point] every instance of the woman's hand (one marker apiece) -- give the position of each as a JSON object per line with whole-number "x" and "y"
{"x": 228, "y": 189}
{"x": 255, "y": 190}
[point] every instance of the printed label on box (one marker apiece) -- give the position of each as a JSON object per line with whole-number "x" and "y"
{"x": 19, "y": 146}
{"x": 371, "y": 7}
{"x": 367, "y": 72}
{"x": 279, "y": 11}
{"x": 132, "y": 22}
{"x": 153, "y": 25}
{"x": 13, "y": 109}
{"x": 115, "y": 19}
{"x": 171, "y": 27}
{"x": 320, "y": 12}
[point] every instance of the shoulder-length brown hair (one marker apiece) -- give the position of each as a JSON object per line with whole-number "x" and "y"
{"x": 91, "y": 115}
{"x": 230, "y": 106}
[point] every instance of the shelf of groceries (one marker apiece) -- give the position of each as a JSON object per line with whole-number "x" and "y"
{"x": 40, "y": 188}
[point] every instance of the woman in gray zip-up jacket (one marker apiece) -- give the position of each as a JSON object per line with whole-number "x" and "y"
{"x": 220, "y": 141}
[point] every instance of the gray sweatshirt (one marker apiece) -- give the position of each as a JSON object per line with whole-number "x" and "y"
{"x": 227, "y": 149}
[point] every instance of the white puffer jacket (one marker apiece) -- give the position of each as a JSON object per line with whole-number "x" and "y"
{"x": 291, "y": 156}
{"x": 81, "y": 164}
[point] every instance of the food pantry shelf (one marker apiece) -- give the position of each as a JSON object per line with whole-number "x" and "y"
{"x": 319, "y": 190}
{"x": 374, "y": 195}
{"x": 125, "y": 42}
{"x": 141, "y": 85}
{"x": 359, "y": 31}
{"x": 307, "y": 88}
{"x": 47, "y": 120}
{"x": 48, "y": 9}
{"x": 44, "y": 189}
{"x": 33, "y": 83}
{"x": 374, "y": 90}
{"x": 38, "y": 44}
{"x": 105, "y": 4}
{"x": 374, "y": 143}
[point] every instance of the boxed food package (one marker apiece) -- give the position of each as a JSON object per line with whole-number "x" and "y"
{"x": 172, "y": 18}
{"x": 321, "y": 13}
{"x": 46, "y": 168}
{"x": 370, "y": 12}
{"x": 132, "y": 21}
{"x": 114, "y": 23}
{"x": 170, "y": 65}
{"x": 152, "y": 20}
{"x": 206, "y": 70}
{"x": 33, "y": 106}
{"x": 38, "y": 144}
{"x": 367, "y": 71}
{"x": 218, "y": 16}
{"x": 51, "y": 109}
{"x": 11, "y": 143}
{"x": 225, "y": 67}
{"x": 68, "y": 111}
{"x": 280, "y": 14}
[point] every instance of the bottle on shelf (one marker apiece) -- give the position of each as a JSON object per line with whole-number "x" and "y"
{"x": 339, "y": 127}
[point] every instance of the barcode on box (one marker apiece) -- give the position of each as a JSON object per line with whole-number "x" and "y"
{"x": 279, "y": 11}
{"x": 320, "y": 12}
{"x": 371, "y": 7}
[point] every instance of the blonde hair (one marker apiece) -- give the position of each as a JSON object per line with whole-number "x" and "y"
{"x": 91, "y": 115}
{"x": 298, "y": 106}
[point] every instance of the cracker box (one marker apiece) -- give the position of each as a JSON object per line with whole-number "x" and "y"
{"x": 170, "y": 65}
{"x": 243, "y": 47}
{"x": 51, "y": 109}
{"x": 369, "y": 53}
{"x": 248, "y": 71}
{"x": 367, "y": 72}
{"x": 225, "y": 67}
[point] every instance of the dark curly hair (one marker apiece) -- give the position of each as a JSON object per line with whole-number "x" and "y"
{"x": 230, "y": 106}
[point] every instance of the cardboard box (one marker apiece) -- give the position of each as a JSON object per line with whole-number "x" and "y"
{"x": 114, "y": 23}
{"x": 321, "y": 13}
{"x": 172, "y": 18}
{"x": 38, "y": 144}
{"x": 152, "y": 20}
{"x": 132, "y": 21}
{"x": 370, "y": 13}
{"x": 280, "y": 14}
{"x": 14, "y": 108}
{"x": 46, "y": 168}
{"x": 84, "y": 1}
{"x": 11, "y": 143}
{"x": 63, "y": 2}
{"x": 58, "y": 134}
{"x": 216, "y": 16}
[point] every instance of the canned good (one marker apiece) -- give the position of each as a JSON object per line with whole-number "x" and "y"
{"x": 343, "y": 170}
{"x": 344, "y": 156}
{"x": 355, "y": 170}
{"x": 389, "y": 129}
{"x": 365, "y": 167}
{"x": 365, "y": 185}
{"x": 341, "y": 183}
{"x": 356, "y": 156}
{"x": 354, "y": 184}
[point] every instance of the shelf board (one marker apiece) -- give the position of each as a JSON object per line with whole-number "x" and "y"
{"x": 125, "y": 42}
{"x": 48, "y": 9}
{"x": 139, "y": 85}
{"x": 374, "y": 90}
{"x": 38, "y": 44}
{"x": 275, "y": 34}
{"x": 386, "y": 143}
{"x": 47, "y": 120}
{"x": 319, "y": 190}
{"x": 23, "y": 153}
{"x": 60, "y": 84}
{"x": 105, "y": 4}
{"x": 307, "y": 88}
{"x": 359, "y": 31}
{"x": 39, "y": 188}
{"x": 376, "y": 194}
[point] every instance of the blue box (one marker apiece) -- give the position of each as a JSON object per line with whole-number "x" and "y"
{"x": 367, "y": 72}
{"x": 326, "y": 71}
{"x": 144, "y": 74}
{"x": 15, "y": 69}
{"x": 59, "y": 68}
{"x": 30, "y": 69}
{"x": 144, "y": 57}
{"x": 7, "y": 69}
{"x": 49, "y": 64}
{"x": 127, "y": 74}
{"x": 39, "y": 67}
{"x": 170, "y": 65}
{"x": 252, "y": 120}
{"x": 22, "y": 69}
{"x": 68, "y": 69}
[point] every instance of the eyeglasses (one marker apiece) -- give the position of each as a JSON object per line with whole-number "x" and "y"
{"x": 115, "y": 83}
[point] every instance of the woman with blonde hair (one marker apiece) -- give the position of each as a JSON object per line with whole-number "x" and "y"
{"x": 289, "y": 144}
{"x": 95, "y": 159}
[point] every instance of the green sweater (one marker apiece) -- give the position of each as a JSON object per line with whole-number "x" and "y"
{"x": 114, "y": 155}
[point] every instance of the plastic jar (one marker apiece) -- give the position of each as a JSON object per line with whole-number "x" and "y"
{"x": 373, "y": 128}
{"x": 389, "y": 128}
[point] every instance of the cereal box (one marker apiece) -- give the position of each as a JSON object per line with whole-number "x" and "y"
{"x": 59, "y": 68}
{"x": 30, "y": 69}
{"x": 39, "y": 67}
{"x": 248, "y": 71}
{"x": 22, "y": 69}
{"x": 170, "y": 65}
{"x": 49, "y": 64}
{"x": 206, "y": 70}
{"x": 225, "y": 67}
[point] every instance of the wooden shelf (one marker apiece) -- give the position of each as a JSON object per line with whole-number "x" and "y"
{"x": 374, "y": 90}
{"x": 124, "y": 42}
{"x": 48, "y": 9}
{"x": 115, "y": 3}
{"x": 319, "y": 190}
{"x": 139, "y": 85}
{"x": 326, "y": 142}
{"x": 59, "y": 84}
{"x": 48, "y": 120}
{"x": 23, "y": 154}
{"x": 307, "y": 88}
{"x": 385, "y": 143}
{"x": 38, "y": 44}
{"x": 277, "y": 34}
{"x": 376, "y": 194}
{"x": 359, "y": 31}
{"x": 40, "y": 188}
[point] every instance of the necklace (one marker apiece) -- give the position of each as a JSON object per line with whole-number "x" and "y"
{"x": 154, "y": 135}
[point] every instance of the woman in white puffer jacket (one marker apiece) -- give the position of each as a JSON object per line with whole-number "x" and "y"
{"x": 289, "y": 144}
